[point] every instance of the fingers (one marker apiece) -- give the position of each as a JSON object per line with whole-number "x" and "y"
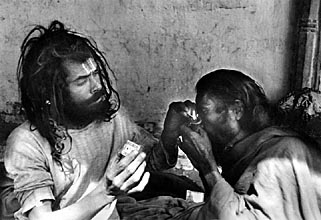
{"x": 132, "y": 156}
{"x": 134, "y": 178}
{"x": 187, "y": 132}
{"x": 130, "y": 174}
{"x": 125, "y": 160}
{"x": 177, "y": 106}
{"x": 191, "y": 138}
{"x": 189, "y": 104}
{"x": 140, "y": 187}
{"x": 187, "y": 107}
{"x": 190, "y": 109}
{"x": 118, "y": 163}
{"x": 192, "y": 130}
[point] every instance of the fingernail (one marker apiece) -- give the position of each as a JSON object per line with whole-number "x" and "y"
{"x": 143, "y": 154}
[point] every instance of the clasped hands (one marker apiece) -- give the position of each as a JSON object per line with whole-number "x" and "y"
{"x": 195, "y": 141}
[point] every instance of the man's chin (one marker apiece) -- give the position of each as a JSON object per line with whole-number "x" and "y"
{"x": 79, "y": 115}
{"x": 80, "y": 120}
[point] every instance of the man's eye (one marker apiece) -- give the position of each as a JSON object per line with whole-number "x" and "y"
{"x": 204, "y": 110}
{"x": 81, "y": 82}
{"x": 96, "y": 73}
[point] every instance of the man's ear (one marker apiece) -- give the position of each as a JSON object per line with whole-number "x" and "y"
{"x": 238, "y": 109}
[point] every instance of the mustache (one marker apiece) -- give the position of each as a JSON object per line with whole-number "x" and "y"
{"x": 96, "y": 96}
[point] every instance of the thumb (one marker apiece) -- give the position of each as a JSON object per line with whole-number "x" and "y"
{"x": 201, "y": 131}
{"x": 185, "y": 130}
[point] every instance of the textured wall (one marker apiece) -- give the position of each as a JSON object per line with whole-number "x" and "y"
{"x": 159, "y": 49}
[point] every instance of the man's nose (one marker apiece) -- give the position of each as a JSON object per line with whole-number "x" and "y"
{"x": 95, "y": 84}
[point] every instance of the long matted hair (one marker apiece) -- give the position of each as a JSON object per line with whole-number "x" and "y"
{"x": 42, "y": 79}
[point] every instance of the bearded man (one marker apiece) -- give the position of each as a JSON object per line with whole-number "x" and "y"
{"x": 65, "y": 160}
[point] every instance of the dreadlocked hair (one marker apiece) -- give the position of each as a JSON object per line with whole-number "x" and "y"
{"x": 42, "y": 79}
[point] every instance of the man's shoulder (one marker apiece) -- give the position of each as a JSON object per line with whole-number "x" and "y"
{"x": 24, "y": 127}
{"x": 24, "y": 132}
{"x": 284, "y": 141}
{"x": 25, "y": 141}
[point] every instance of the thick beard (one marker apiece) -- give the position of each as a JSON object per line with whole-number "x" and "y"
{"x": 221, "y": 137}
{"x": 81, "y": 114}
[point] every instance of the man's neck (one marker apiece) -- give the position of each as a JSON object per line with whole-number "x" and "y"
{"x": 238, "y": 137}
{"x": 79, "y": 124}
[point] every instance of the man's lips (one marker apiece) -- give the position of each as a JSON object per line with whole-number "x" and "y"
{"x": 101, "y": 99}
{"x": 99, "y": 96}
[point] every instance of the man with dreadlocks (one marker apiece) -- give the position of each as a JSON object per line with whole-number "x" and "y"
{"x": 64, "y": 160}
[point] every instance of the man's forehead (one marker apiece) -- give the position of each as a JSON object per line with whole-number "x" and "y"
{"x": 89, "y": 65}
{"x": 78, "y": 69}
{"x": 206, "y": 99}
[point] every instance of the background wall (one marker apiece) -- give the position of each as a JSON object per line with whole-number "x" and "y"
{"x": 159, "y": 49}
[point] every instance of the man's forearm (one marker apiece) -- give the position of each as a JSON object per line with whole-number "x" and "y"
{"x": 85, "y": 209}
{"x": 169, "y": 142}
{"x": 164, "y": 155}
{"x": 210, "y": 179}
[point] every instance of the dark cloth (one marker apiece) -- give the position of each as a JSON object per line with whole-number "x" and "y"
{"x": 167, "y": 184}
{"x": 163, "y": 198}
{"x": 157, "y": 208}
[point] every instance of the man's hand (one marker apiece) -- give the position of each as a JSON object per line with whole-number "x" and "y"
{"x": 197, "y": 146}
{"x": 127, "y": 174}
{"x": 179, "y": 113}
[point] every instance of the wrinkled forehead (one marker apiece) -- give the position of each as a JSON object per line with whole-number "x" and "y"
{"x": 89, "y": 65}
{"x": 76, "y": 69}
{"x": 200, "y": 98}
{"x": 205, "y": 99}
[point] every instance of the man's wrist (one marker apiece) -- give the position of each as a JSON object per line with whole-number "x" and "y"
{"x": 101, "y": 198}
{"x": 212, "y": 178}
{"x": 170, "y": 148}
{"x": 169, "y": 135}
{"x": 169, "y": 141}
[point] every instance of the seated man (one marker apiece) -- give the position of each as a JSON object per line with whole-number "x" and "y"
{"x": 266, "y": 172}
{"x": 65, "y": 160}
